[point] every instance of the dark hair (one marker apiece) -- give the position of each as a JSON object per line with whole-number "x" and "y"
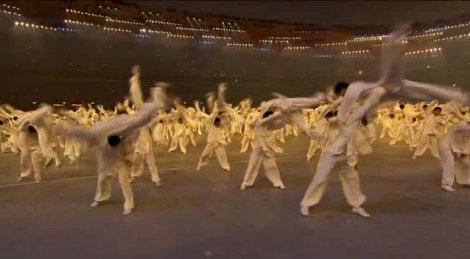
{"x": 15, "y": 118}
{"x": 331, "y": 114}
{"x": 437, "y": 109}
{"x": 217, "y": 121}
{"x": 114, "y": 140}
{"x": 402, "y": 106}
{"x": 340, "y": 86}
{"x": 32, "y": 129}
{"x": 1, "y": 122}
{"x": 391, "y": 116}
{"x": 364, "y": 121}
{"x": 267, "y": 113}
{"x": 160, "y": 121}
{"x": 180, "y": 120}
{"x": 425, "y": 106}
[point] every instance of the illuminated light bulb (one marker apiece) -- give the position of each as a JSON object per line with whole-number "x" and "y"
{"x": 16, "y": 23}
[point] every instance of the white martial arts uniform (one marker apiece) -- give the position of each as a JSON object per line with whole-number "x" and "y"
{"x": 114, "y": 140}
{"x": 455, "y": 156}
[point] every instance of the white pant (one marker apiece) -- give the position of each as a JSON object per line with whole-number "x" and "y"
{"x": 138, "y": 165}
{"x": 220, "y": 153}
{"x": 103, "y": 189}
{"x": 425, "y": 142}
{"x": 30, "y": 160}
{"x": 347, "y": 174}
{"x": 454, "y": 167}
{"x": 271, "y": 170}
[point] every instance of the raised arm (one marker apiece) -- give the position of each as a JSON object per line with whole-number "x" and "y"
{"x": 37, "y": 116}
{"x": 220, "y": 102}
{"x": 368, "y": 105}
{"x": 135, "y": 90}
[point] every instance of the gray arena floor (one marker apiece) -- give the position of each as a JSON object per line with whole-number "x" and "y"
{"x": 205, "y": 215}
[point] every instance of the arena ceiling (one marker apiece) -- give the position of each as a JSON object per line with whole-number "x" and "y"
{"x": 327, "y": 13}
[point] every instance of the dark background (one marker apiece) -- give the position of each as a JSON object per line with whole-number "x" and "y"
{"x": 42, "y": 66}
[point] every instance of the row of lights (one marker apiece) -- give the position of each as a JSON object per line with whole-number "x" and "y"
{"x": 191, "y": 29}
{"x": 324, "y": 56}
{"x": 331, "y": 44}
{"x": 306, "y": 31}
{"x": 116, "y": 29}
{"x": 426, "y": 35}
{"x": 140, "y": 35}
{"x": 424, "y": 51}
{"x": 9, "y": 12}
{"x": 35, "y": 26}
{"x": 154, "y": 31}
{"x": 447, "y": 27}
{"x": 283, "y": 38}
{"x": 213, "y": 37}
{"x": 194, "y": 19}
{"x": 245, "y": 45}
{"x": 11, "y": 7}
{"x": 367, "y": 38}
{"x": 123, "y": 22}
{"x": 274, "y": 41}
{"x": 85, "y": 13}
{"x": 163, "y": 22}
{"x": 180, "y": 36}
{"x": 226, "y": 29}
{"x": 354, "y": 52}
{"x": 461, "y": 36}
{"x": 382, "y": 44}
{"x": 206, "y": 42}
{"x": 143, "y": 12}
{"x": 298, "y": 48}
{"x": 108, "y": 8}
{"x": 80, "y": 23}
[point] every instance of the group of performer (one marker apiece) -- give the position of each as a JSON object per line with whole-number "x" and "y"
{"x": 341, "y": 123}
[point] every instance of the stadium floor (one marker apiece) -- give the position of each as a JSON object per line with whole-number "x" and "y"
{"x": 205, "y": 215}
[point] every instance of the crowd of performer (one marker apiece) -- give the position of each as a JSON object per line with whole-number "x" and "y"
{"x": 342, "y": 124}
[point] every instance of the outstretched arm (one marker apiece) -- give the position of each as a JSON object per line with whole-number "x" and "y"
{"x": 262, "y": 122}
{"x": 37, "y": 116}
{"x": 390, "y": 68}
{"x": 220, "y": 102}
{"x": 369, "y": 104}
{"x": 135, "y": 90}
{"x": 425, "y": 91}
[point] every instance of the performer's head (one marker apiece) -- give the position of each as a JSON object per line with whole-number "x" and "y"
{"x": 114, "y": 140}
{"x": 364, "y": 121}
{"x": 437, "y": 111}
{"x": 180, "y": 120}
{"x": 267, "y": 113}
{"x": 340, "y": 88}
{"x": 32, "y": 129}
{"x": 217, "y": 121}
{"x": 330, "y": 115}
